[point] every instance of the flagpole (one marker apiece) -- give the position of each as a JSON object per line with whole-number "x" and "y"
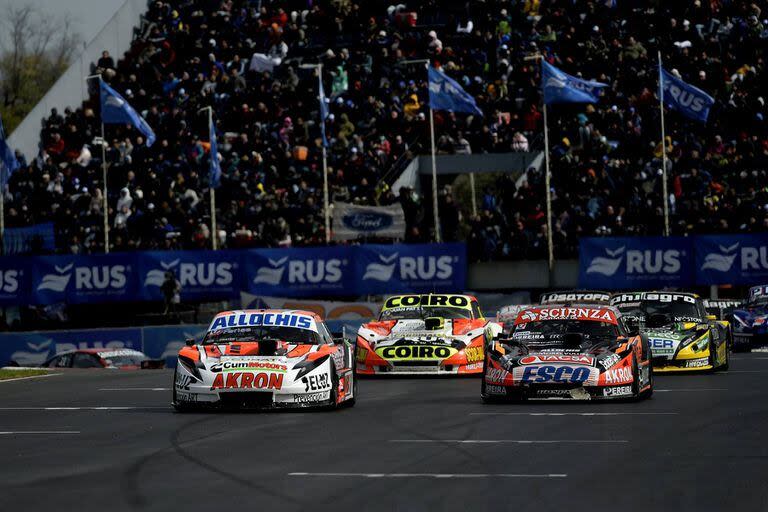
{"x": 104, "y": 188}
{"x": 211, "y": 189}
{"x": 326, "y": 199}
{"x": 474, "y": 193}
{"x": 663, "y": 151}
{"x": 550, "y": 245}
{"x": 435, "y": 212}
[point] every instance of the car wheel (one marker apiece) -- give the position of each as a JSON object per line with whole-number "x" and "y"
{"x": 334, "y": 400}
{"x": 351, "y": 401}
{"x": 648, "y": 393}
{"x": 727, "y": 362}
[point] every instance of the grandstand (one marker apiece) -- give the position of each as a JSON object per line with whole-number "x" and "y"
{"x": 246, "y": 63}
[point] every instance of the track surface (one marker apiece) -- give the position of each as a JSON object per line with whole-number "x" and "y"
{"x": 699, "y": 444}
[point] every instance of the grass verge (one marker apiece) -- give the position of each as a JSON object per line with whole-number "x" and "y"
{"x": 15, "y": 374}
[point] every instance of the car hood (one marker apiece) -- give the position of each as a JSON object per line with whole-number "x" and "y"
{"x": 449, "y": 331}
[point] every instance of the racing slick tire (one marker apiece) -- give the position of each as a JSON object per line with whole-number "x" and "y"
{"x": 727, "y": 363}
{"x": 636, "y": 382}
{"x": 351, "y": 402}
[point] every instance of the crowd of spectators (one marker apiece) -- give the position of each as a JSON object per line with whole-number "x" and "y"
{"x": 244, "y": 59}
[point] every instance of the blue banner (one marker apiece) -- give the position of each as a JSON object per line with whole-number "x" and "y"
{"x": 411, "y": 268}
{"x": 635, "y": 262}
{"x": 15, "y": 276}
{"x": 34, "y": 348}
{"x": 83, "y": 279}
{"x": 445, "y": 93}
{"x": 301, "y": 272}
{"x": 732, "y": 259}
{"x": 202, "y": 275}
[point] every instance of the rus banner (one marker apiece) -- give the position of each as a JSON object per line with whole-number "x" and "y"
{"x": 352, "y": 221}
{"x": 732, "y": 259}
{"x": 635, "y": 262}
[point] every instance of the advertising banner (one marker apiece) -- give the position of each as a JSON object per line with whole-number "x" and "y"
{"x": 352, "y": 221}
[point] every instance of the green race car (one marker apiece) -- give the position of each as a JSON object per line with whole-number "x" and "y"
{"x": 681, "y": 335}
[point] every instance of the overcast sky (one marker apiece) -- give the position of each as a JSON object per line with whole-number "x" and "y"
{"x": 88, "y": 16}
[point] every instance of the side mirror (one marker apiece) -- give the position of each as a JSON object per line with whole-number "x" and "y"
{"x": 189, "y": 342}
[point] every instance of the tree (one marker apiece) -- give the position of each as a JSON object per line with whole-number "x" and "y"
{"x": 37, "y": 48}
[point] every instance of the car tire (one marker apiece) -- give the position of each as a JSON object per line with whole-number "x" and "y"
{"x": 648, "y": 393}
{"x": 351, "y": 401}
{"x": 727, "y": 362}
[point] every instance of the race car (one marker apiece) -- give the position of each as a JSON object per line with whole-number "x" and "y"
{"x": 112, "y": 358}
{"x": 431, "y": 334}
{"x": 682, "y": 336}
{"x": 567, "y": 352}
{"x": 265, "y": 359}
{"x": 750, "y": 321}
{"x": 507, "y": 315}
{"x": 574, "y": 297}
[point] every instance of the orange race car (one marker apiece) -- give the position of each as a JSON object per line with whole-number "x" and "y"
{"x": 266, "y": 358}
{"x": 434, "y": 334}
{"x": 567, "y": 352}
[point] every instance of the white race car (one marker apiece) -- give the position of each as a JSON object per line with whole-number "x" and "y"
{"x": 265, "y": 359}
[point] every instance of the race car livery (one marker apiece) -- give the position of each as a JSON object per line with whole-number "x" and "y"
{"x": 431, "y": 334}
{"x": 750, "y": 321}
{"x": 265, "y": 359}
{"x": 574, "y": 297}
{"x": 567, "y": 352}
{"x": 681, "y": 335}
{"x": 114, "y": 358}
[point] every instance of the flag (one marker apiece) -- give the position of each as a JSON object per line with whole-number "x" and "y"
{"x": 446, "y": 94}
{"x": 323, "y": 110}
{"x": 115, "y": 110}
{"x": 214, "y": 174}
{"x": 560, "y": 87}
{"x": 8, "y": 160}
{"x": 690, "y": 101}
{"x": 340, "y": 83}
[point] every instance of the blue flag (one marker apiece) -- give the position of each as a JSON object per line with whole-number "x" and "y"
{"x": 115, "y": 110}
{"x": 323, "y": 110}
{"x": 214, "y": 176}
{"x": 690, "y": 101}
{"x": 8, "y": 162}
{"x": 446, "y": 94}
{"x": 560, "y": 87}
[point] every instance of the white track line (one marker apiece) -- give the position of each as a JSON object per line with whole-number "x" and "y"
{"x": 509, "y": 441}
{"x": 134, "y": 389}
{"x": 688, "y": 390}
{"x": 131, "y": 408}
{"x": 572, "y": 413}
{"x": 433, "y": 475}
{"x": 30, "y": 377}
{"x": 41, "y": 432}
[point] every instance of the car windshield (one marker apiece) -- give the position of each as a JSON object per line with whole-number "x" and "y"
{"x": 124, "y": 360}
{"x": 555, "y": 330}
{"x": 418, "y": 312}
{"x": 758, "y": 302}
{"x": 676, "y": 311}
{"x": 262, "y": 333}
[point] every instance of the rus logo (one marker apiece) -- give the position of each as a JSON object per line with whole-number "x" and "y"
{"x": 311, "y": 271}
{"x": 410, "y": 268}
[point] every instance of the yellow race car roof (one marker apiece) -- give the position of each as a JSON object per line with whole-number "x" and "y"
{"x": 429, "y": 300}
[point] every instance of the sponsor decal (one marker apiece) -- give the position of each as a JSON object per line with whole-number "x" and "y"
{"x": 193, "y": 274}
{"x": 309, "y": 398}
{"x": 247, "y": 380}
{"x": 555, "y": 298}
{"x": 300, "y": 271}
{"x": 411, "y": 268}
{"x": 456, "y": 301}
{"x": 361, "y": 354}
{"x": 186, "y": 397}
{"x": 183, "y": 381}
{"x": 231, "y": 366}
{"x": 496, "y": 375}
{"x": 474, "y": 354}
{"x": 549, "y": 373}
{"x": 405, "y": 352}
{"x": 609, "y": 361}
{"x": 653, "y": 297}
{"x": 491, "y": 389}
{"x": 544, "y": 392}
{"x": 621, "y": 375}
{"x": 542, "y": 358}
{"x": 263, "y": 319}
{"x": 539, "y": 314}
{"x": 697, "y": 363}
{"x": 473, "y": 366}
{"x": 317, "y": 382}
{"x": 662, "y": 346}
{"x": 618, "y": 391}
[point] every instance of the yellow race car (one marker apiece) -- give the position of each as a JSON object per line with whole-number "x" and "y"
{"x": 434, "y": 334}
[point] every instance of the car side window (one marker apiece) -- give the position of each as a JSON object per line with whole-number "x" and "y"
{"x": 85, "y": 361}
{"x": 64, "y": 361}
{"x": 476, "y": 313}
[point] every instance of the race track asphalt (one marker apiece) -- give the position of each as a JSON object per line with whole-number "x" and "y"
{"x": 104, "y": 440}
